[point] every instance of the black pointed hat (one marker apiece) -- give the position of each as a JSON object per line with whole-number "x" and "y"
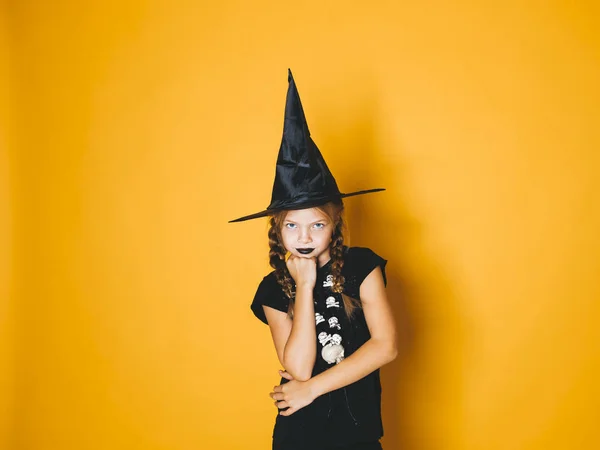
{"x": 302, "y": 179}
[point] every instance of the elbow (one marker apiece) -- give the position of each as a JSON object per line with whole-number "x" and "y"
{"x": 299, "y": 366}
{"x": 392, "y": 352}
{"x": 298, "y": 370}
{"x": 389, "y": 350}
{"x": 303, "y": 377}
{"x": 299, "y": 374}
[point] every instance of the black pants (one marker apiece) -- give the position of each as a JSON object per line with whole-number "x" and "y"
{"x": 376, "y": 445}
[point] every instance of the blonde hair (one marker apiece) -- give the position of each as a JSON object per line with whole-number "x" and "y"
{"x": 277, "y": 253}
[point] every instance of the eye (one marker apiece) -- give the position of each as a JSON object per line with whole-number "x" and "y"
{"x": 319, "y": 225}
{"x": 290, "y": 225}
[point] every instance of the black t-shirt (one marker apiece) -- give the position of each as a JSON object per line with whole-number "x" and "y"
{"x": 346, "y": 415}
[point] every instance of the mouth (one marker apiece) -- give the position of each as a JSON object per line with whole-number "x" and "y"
{"x": 304, "y": 251}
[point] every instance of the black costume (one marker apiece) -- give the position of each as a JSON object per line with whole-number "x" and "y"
{"x": 349, "y": 415}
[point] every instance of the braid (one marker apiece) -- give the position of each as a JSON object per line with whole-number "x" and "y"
{"x": 336, "y": 251}
{"x": 277, "y": 261}
{"x": 337, "y": 258}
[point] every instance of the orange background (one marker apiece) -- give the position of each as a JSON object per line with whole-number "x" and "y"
{"x": 135, "y": 129}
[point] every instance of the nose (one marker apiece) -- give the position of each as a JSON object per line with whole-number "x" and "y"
{"x": 304, "y": 237}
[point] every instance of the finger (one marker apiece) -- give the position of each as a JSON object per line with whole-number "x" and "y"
{"x": 287, "y": 412}
{"x": 278, "y": 388}
{"x": 277, "y": 395}
{"x": 285, "y": 375}
{"x": 282, "y": 404}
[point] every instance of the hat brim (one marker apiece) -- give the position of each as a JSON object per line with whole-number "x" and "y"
{"x": 303, "y": 205}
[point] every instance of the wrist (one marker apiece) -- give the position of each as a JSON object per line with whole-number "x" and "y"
{"x": 315, "y": 387}
{"x": 305, "y": 286}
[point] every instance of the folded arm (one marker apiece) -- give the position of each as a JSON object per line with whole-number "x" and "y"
{"x": 295, "y": 339}
{"x": 379, "y": 350}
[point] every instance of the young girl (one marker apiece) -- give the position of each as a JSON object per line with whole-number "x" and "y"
{"x": 325, "y": 304}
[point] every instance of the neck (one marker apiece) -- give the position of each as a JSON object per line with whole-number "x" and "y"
{"x": 323, "y": 258}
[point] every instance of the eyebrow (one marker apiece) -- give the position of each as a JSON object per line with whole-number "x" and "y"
{"x": 316, "y": 221}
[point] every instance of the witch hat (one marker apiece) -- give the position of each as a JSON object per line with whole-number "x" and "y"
{"x": 302, "y": 179}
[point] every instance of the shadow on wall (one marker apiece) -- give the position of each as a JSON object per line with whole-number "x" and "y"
{"x": 422, "y": 299}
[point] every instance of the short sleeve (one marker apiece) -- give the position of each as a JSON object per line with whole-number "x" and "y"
{"x": 363, "y": 262}
{"x": 269, "y": 293}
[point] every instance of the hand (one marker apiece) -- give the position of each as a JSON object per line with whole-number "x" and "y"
{"x": 303, "y": 270}
{"x": 293, "y": 395}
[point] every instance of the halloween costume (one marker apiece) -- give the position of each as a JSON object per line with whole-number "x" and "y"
{"x": 350, "y": 416}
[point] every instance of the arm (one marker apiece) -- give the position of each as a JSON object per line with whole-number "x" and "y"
{"x": 295, "y": 339}
{"x": 379, "y": 350}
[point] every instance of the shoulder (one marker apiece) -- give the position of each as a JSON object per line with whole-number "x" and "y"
{"x": 268, "y": 287}
{"x": 268, "y": 293}
{"x": 357, "y": 257}
{"x": 358, "y": 252}
{"x": 360, "y": 262}
{"x": 269, "y": 279}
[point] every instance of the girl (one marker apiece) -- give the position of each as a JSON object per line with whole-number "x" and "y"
{"x": 325, "y": 304}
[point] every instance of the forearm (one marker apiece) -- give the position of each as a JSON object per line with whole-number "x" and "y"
{"x": 372, "y": 355}
{"x": 300, "y": 350}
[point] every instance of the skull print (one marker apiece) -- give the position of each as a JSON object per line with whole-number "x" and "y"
{"x": 331, "y": 302}
{"x": 334, "y": 323}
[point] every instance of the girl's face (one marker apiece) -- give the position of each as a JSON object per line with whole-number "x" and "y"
{"x": 307, "y": 233}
